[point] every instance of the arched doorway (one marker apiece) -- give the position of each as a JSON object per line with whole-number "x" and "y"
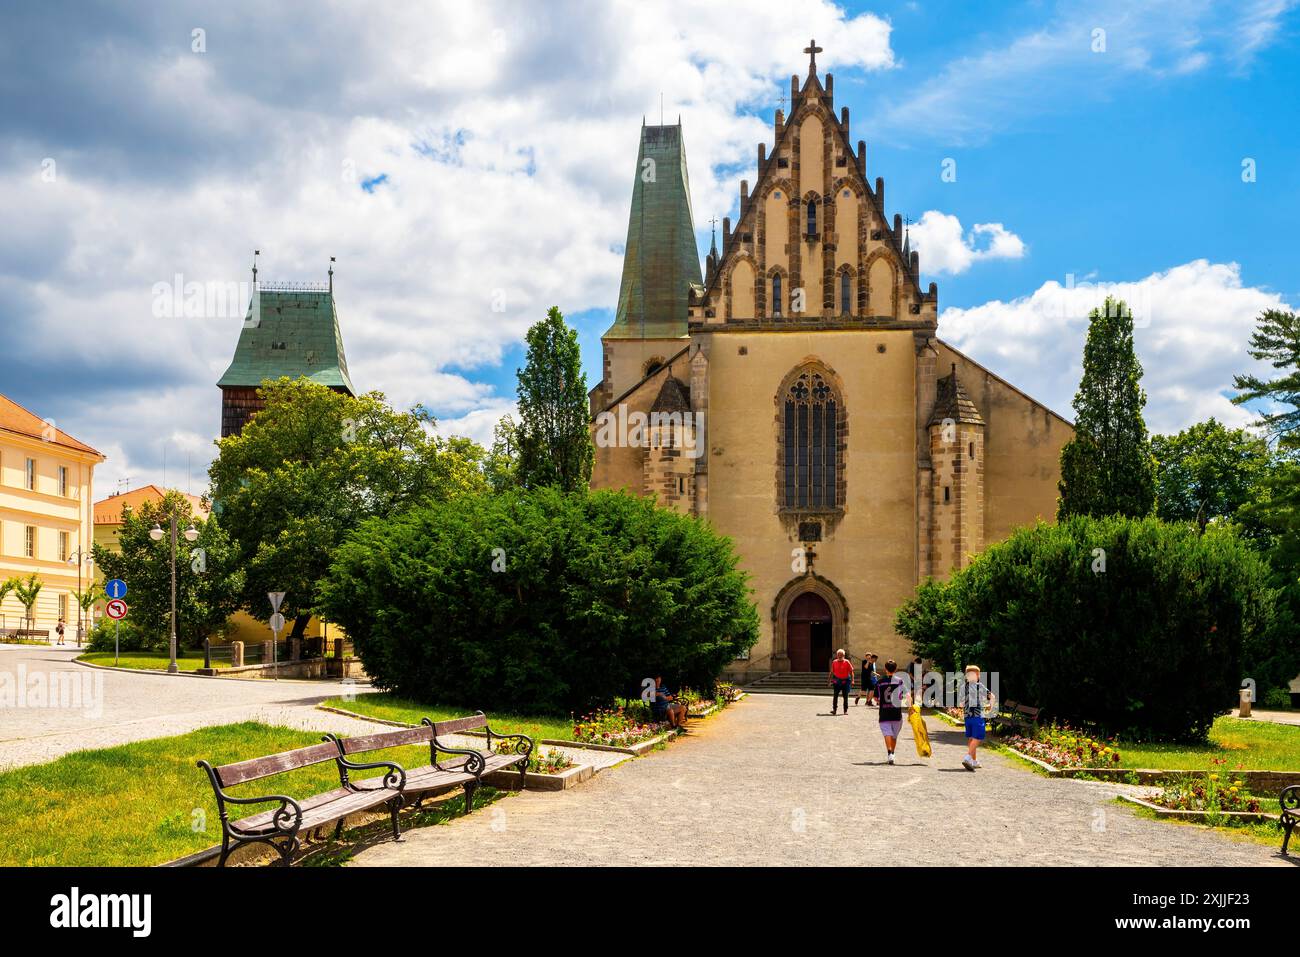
{"x": 808, "y": 632}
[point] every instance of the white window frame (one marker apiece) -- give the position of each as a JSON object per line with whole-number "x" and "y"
{"x": 63, "y": 480}
{"x": 29, "y": 476}
{"x": 29, "y": 541}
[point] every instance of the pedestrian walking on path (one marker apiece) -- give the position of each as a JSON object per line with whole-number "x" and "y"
{"x": 840, "y": 680}
{"x": 976, "y": 698}
{"x": 893, "y": 697}
{"x": 868, "y": 684}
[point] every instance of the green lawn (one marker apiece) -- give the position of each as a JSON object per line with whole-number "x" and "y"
{"x": 150, "y": 660}
{"x": 1247, "y": 745}
{"x": 392, "y": 708}
{"x": 147, "y": 803}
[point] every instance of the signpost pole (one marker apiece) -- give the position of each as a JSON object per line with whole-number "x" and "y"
{"x": 117, "y": 640}
{"x": 277, "y": 625}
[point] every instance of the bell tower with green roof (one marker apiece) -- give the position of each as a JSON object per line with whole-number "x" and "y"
{"x": 292, "y": 329}
{"x": 660, "y": 263}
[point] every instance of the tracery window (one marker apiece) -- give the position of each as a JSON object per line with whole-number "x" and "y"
{"x": 811, "y": 432}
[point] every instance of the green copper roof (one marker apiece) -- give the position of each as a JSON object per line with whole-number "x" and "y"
{"x": 290, "y": 332}
{"x": 660, "y": 260}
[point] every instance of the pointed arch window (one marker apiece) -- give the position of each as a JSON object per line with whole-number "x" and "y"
{"x": 811, "y": 429}
{"x": 846, "y": 289}
{"x": 812, "y": 217}
{"x": 776, "y": 295}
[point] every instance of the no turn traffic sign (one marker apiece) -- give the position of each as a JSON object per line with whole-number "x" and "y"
{"x": 115, "y": 609}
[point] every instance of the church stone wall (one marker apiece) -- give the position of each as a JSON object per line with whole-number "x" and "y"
{"x": 868, "y": 551}
{"x": 1022, "y": 441}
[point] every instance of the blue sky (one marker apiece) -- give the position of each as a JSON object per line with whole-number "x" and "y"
{"x": 454, "y": 158}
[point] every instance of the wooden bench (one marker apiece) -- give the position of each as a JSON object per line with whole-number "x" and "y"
{"x": 19, "y": 634}
{"x": 520, "y": 753}
{"x": 1016, "y": 718}
{"x": 1290, "y": 819}
{"x": 466, "y": 767}
{"x": 279, "y": 827}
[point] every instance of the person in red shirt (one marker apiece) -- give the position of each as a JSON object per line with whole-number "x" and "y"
{"x": 841, "y": 681}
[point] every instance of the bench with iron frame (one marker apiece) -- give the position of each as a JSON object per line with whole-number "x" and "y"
{"x": 464, "y": 768}
{"x": 437, "y": 777}
{"x": 1017, "y": 718}
{"x": 521, "y": 752}
{"x": 279, "y": 828}
{"x": 1289, "y": 799}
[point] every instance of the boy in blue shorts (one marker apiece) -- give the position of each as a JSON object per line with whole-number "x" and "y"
{"x": 975, "y": 700}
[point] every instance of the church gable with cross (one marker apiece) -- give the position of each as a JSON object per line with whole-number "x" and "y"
{"x": 796, "y": 393}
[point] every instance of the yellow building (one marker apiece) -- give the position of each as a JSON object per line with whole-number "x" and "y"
{"x": 45, "y": 514}
{"x": 799, "y": 397}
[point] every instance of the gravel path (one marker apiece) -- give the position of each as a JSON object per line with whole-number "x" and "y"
{"x": 776, "y": 780}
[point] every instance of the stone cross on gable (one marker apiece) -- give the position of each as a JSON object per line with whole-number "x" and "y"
{"x": 812, "y": 49}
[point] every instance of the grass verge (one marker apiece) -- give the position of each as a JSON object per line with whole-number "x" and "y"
{"x": 146, "y": 803}
{"x": 392, "y": 708}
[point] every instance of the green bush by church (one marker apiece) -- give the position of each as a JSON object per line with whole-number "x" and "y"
{"x": 1136, "y": 625}
{"x": 539, "y": 601}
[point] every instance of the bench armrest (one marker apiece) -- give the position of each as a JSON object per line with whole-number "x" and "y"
{"x": 1289, "y": 799}
{"x": 474, "y": 761}
{"x": 286, "y": 819}
{"x": 394, "y": 780}
{"x": 523, "y": 739}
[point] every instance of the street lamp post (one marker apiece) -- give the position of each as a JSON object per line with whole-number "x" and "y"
{"x": 156, "y": 533}
{"x": 77, "y": 558}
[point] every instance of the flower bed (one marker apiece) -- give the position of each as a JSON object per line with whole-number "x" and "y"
{"x": 616, "y": 727}
{"x": 539, "y": 762}
{"x": 1064, "y": 747}
{"x": 1211, "y": 792}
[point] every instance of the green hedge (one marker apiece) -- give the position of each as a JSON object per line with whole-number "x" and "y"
{"x": 1151, "y": 647}
{"x": 591, "y": 592}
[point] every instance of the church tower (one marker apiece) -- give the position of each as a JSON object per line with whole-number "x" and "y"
{"x": 292, "y": 329}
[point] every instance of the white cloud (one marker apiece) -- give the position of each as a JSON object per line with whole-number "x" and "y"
{"x": 507, "y": 135}
{"x": 946, "y": 248}
{"x": 1193, "y": 324}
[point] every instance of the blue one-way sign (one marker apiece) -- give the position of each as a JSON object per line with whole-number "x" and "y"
{"x": 115, "y": 588}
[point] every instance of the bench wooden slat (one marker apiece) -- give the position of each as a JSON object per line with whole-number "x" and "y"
{"x": 264, "y": 767}
{"x": 387, "y": 739}
{"x": 323, "y": 808}
{"x": 457, "y": 725}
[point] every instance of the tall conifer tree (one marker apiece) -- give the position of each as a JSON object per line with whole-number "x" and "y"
{"x": 1107, "y": 468}
{"x": 553, "y": 436}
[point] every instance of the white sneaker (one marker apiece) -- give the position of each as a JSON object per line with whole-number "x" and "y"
{"x": 968, "y": 764}
{"x": 891, "y": 759}
{"x": 977, "y": 763}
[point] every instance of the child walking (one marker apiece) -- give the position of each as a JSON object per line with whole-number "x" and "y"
{"x": 976, "y": 698}
{"x": 892, "y": 697}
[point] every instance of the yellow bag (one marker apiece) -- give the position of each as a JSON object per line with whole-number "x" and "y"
{"x": 919, "y": 732}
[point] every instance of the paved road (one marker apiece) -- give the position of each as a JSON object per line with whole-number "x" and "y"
{"x": 100, "y": 708}
{"x": 775, "y": 780}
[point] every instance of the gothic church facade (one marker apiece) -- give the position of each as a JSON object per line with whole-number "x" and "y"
{"x": 798, "y": 397}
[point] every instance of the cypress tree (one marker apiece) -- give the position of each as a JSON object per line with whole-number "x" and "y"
{"x": 553, "y": 437}
{"x": 1107, "y": 468}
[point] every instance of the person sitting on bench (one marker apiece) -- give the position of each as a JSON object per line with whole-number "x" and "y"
{"x": 666, "y": 707}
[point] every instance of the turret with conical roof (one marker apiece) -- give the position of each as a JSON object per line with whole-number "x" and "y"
{"x": 660, "y": 261}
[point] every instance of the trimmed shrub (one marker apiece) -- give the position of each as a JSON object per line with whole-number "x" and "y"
{"x": 539, "y": 601}
{"x": 1147, "y": 645}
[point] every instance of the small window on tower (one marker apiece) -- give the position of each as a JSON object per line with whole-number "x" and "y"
{"x": 972, "y": 450}
{"x": 947, "y": 495}
{"x": 812, "y": 217}
{"x": 681, "y": 485}
{"x": 845, "y": 290}
{"x": 776, "y": 295}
